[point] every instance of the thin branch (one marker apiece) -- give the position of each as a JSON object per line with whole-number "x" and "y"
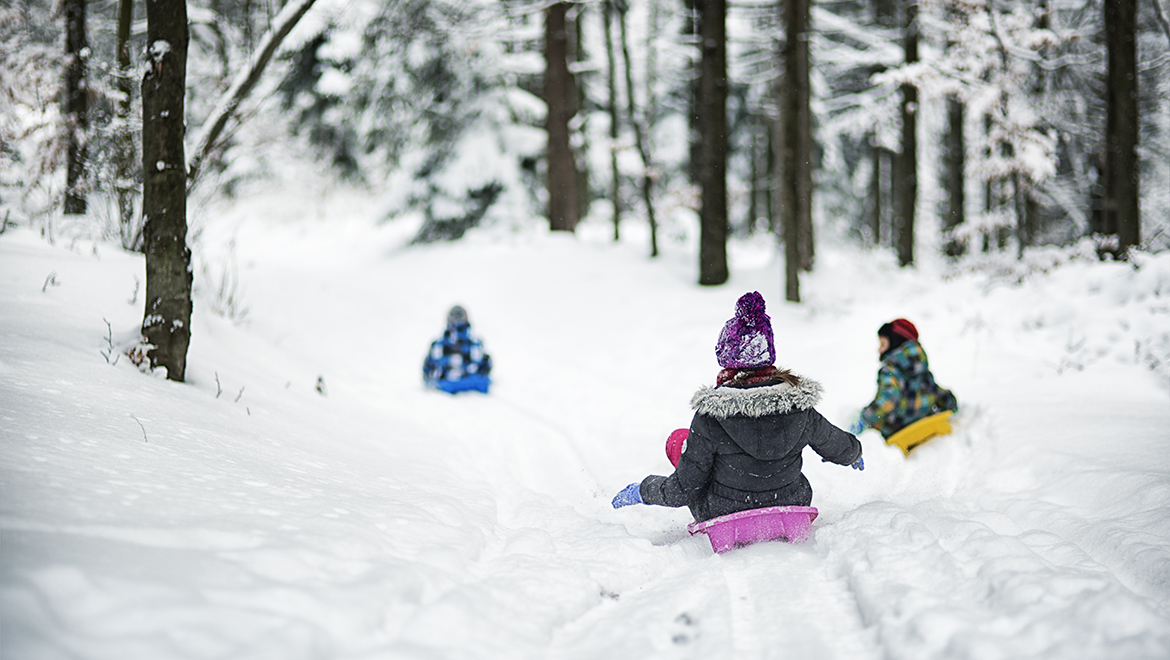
{"x": 141, "y": 427}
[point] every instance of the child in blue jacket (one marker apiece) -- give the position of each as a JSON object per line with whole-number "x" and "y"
{"x": 457, "y": 361}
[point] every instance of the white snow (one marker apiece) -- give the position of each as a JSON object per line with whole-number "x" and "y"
{"x": 159, "y": 49}
{"x": 244, "y": 515}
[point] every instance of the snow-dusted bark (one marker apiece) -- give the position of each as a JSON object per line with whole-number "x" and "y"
{"x": 75, "y": 106}
{"x": 1122, "y": 210}
{"x": 560, "y": 95}
{"x": 712, "y": 111}
{"x": 166, "y": 325}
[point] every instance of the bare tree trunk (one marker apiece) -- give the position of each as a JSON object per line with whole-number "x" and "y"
{"x": 906, "y": 166}
{"x": 125, "y": 184}
{"x": 641, "y": 126}
{"x": 796, "y": 149}
{"x": 955, "y": 156}
{"x": 804, "y": 143}
{"x": 1032, "y": 221}
{"x": 580, "y": 135}
{"x": 1122, "y": 212}
{"x": 612, "y": 109}
{"x": 881, "y": 187}
{"x": 75, "y": 107}
{"x": 785, "y": 187}
{"x": 1019, "y": 188}
{"x": 713, "y": 124}
{"x": 167, "y": 322}
{"x": 694, "y": 120}
{"x": 560, "y": 94}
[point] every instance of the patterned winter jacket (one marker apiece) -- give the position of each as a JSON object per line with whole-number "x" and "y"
{"x": 455, "y": 355}
{"x": 906, "y": 391}
{"x": 745, "y": 448}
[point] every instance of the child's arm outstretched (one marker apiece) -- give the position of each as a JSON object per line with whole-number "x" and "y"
{"x": 833, "y": 444}
{"x": 680, "y": 488}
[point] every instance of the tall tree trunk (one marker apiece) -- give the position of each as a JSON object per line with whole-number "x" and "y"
{"x": 75, "y": 107}
{"x": 694, "y": 120}
{"x": 167, "y": 322}
{"x": 641, "y": 125}
{"x": 560, "y": 94}
{"x": 1020, "y": 189}
{"x": 612, "y": 109}
{"x": 1032, "y": 221}
{"x": 906, "y": 166}
{"x": 713, "y": 122}
{"x": 1122, "y": 212}
{"x": 796, "y": 149}
{"x": 804, "y": 143}
{"x": 881, "y": 187}
{"x": 575, "y": 16}
{"x": 956, "y": 159}
{"x": 131, "y": 233}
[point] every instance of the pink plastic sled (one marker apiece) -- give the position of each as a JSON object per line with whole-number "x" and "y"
{"x": 784, "y": 523}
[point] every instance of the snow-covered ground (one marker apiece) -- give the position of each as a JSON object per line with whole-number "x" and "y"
{"x": 245, "y": 514}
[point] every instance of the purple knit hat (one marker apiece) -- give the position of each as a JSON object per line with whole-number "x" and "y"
{"x": 746, "y": 340}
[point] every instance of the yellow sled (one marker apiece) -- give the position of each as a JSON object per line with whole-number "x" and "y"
{"x": 921, "y": 431}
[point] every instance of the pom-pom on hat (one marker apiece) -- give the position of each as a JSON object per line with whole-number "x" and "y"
{"x": 746, "y": 340}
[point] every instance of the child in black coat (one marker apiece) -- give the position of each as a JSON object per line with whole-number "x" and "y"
{"x": 745, "y": 443}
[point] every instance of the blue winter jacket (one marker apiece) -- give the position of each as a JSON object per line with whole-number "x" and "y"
{"x": 457, "y": 361}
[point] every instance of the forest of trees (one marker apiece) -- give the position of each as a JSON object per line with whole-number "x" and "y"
{"x": 964, "y": 126}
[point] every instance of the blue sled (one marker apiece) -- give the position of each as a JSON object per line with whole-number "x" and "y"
{"x": 474, "y": 382}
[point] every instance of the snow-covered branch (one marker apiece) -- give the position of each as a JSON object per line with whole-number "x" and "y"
{"x": 243, "y": 84}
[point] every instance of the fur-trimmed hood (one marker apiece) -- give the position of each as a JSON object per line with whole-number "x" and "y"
{"x": 759, "y": 401}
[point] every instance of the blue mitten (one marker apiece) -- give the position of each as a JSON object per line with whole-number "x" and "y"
{"x": 856, "y": 427}
{"x": 631, "y": 494}
{"x": 859, "y": 464}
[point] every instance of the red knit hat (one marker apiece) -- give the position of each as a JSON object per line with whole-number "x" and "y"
{"x": 899, "y": 327}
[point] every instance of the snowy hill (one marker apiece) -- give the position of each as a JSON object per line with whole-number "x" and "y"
{"x": 303, "y": 496}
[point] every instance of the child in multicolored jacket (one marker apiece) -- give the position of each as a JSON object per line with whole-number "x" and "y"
{"x": 906, "y": 389}
{"x": 457, "y": 361}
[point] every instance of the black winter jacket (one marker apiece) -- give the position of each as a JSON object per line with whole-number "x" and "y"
{"x": 744, "y": 450}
